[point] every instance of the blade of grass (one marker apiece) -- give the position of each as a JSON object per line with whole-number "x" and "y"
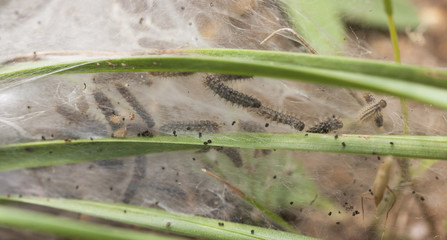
{"x": 318, "y": 22}
{"x": 50, "y": 153}
{"x": 37, "y": 154}
{"x": 69, "y": 228}
{"x": 404, "y": 81}
{"x": 183, "y": 224}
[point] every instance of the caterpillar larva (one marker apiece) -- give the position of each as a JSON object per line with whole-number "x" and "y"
{"x": 229, "y": 94}
{"x": 326, "y": 126}
{"x": 280, "y": 117}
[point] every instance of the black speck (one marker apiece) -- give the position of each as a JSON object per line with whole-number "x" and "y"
{"x": 20, "y": 195}
{"x": 267, "y": 125}
{"x": 145, "y": 134}
{"x": 306, "y": 135}
{"x": 43, "y": 138}
{"x": 252, "y": 231}
{"x": 414, "y": 192}
{"x": 175, "y": 133}
{"x": 188, "y": 128}
{"x": 209, "y": 141}
{"x": 29, "y": 107}
{"x": 91, "y": 139}
{"x": 274, "y": 177}
{"x": 391, "y": 143}
{"x": 343, "y": 144}
{"x": 234, "y": 122}
{"x": 193, "y": 159}
{"x": 422, "y": 198}
{"x": 337, "y": 223}
{"x": 336, "y": 136}
{"x": 221, "y": 223}
{"x": 125, "y": 211}
{"x": 378, "y": 158}
{"x": 205, "y": 143}
{"x": 200, "y": 134}
{"x": 291, "y": 203}
{"x": 437, "y": 178}
{"x": 77, "y": 187}
{"x": 374, "y": 153}
{"x": 111, "y": 188}
{"x": 162, "y": 168}
{"x": 330, "y": 214}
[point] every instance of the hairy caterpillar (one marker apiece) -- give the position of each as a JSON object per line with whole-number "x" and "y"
{"x": 193, "y": 126}
{"x": 230, "y": 77}
{"x": 280, "y": 117}
{"x": 326, "y": 126}
{"x": 229, "y": 94}
{"x": 374, "y": 109}
{"x": 133, "y": 102}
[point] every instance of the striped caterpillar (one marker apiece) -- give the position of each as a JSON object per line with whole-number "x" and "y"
{"x": 193, "y": 126}
{"x": 241, "y": 99}
{"x": 326, "y": 126}
{"x": 280, "y": 117}
{"x": 374, "y": 109}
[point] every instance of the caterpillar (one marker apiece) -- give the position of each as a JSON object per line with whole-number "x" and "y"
{"x": 233, "y": 154}
{"x": 108, "y": 110}
{"x": 193, "y": 126}
{"x": 133, "y": 102}
{"x": 374, "y": 109}
{"x": 170, "y": 74}
{"x": 280, "y": 117}
{"x": 230, "y": 77}
{"x": 326, "y": 126}
{"x": 139, "y": 173}
{"x": 229, "y": 94}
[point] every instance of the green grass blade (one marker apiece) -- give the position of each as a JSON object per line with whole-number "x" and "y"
{"x": 68, "y": 228}
{"x": 186, "y": 225}
{"x": 35, "y": 154}
{"x": 404, "y": 81}
{"x": 318, "y": 22}
{"x": 50, "y": 153}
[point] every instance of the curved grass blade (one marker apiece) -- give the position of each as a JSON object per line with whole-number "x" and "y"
{"x": 416, "y": 83}
{"x": 69, "y": 228}
{"x": 183, "y": 224}
{"x": 35, "y": 154}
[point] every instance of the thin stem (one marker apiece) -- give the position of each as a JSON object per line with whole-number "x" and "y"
{"x": 299, "y": 37}
{"x": 273, "y": 216}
